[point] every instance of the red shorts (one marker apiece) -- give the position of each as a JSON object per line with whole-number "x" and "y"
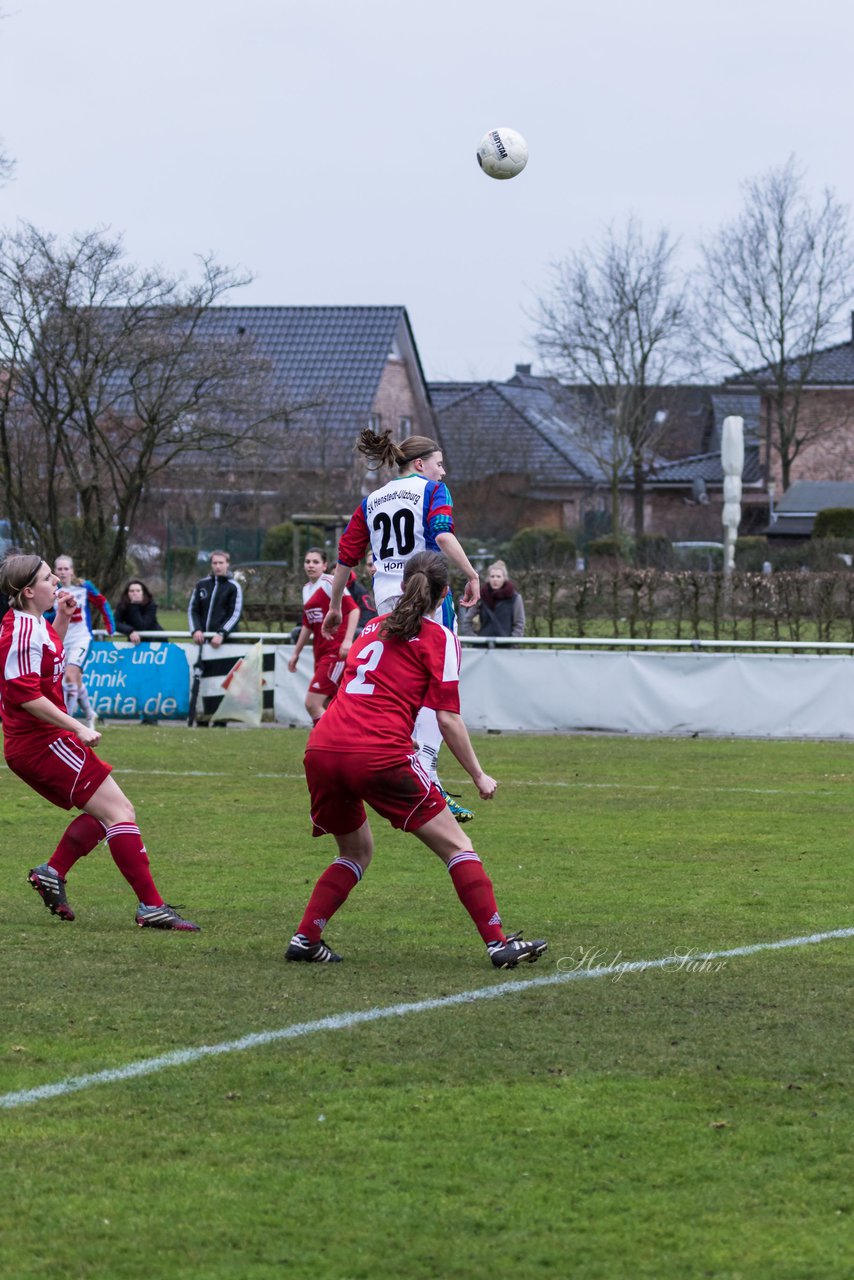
{"x": 342, "y": 782}
{"x": 327, "y": 675}
{"x": 61, "y": 769}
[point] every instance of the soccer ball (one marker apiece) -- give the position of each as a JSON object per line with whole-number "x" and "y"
{"x": 502, "y": 153}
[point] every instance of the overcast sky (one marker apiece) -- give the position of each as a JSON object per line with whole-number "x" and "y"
{"x": 328, "y": 146}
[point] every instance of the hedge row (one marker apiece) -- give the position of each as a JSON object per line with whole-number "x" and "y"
{"x": 642, "y": 603}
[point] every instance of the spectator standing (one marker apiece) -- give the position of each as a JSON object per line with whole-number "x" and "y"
{"x": 136, "y": 611}
{"x": 500, "y": 610}
{"x": 216, "y": 602}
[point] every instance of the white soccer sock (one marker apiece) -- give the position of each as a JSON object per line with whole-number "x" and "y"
{"x": 70, "y": 693}
{"x": 428, "y": 738}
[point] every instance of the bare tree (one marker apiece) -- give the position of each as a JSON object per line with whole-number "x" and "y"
{"x": 615, "y": 322}
{"x": 109, "y": 375}
{"x": 770, "y": 295}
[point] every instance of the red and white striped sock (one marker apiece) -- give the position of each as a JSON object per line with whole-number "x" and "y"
{"x": 331, "y": 892}
{"x": 130, "y": 857}
{"x": 79, "y": 838}
{"x": 475, "y": 892}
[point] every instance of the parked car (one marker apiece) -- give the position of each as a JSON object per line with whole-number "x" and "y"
{"x": 699, "y": 555}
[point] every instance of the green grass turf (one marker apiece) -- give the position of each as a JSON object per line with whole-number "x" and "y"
{"x": 651, "y": 1124}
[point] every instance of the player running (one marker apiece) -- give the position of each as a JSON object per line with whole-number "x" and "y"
{"x": 361, "y": 751}
{"x": 329, "y": 652}
{"x": 53, "y": 753}
{"x": 86, "y": 597}
{"x": 409, "y": 514}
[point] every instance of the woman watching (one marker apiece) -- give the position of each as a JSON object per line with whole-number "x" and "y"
{"x": 136, "y": 611}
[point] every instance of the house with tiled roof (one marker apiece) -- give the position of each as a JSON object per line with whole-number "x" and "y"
{"x": 824, "y": 386}
{"x": 794, "y": 515}
{"x": 518, "y": 453}
{"x": 339, "y": 368}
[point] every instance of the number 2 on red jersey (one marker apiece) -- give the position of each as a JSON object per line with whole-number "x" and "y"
{"x": 369, "y": 660}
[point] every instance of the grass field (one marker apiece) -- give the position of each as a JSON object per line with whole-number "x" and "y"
{"x": 570, "y": 1119}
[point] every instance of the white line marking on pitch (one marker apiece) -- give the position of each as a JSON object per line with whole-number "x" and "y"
{"x": 344, "y": 1021}
{"x": 516, "y": 782}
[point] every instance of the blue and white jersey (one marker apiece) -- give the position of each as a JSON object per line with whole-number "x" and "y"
{"x": 395, "y": 522}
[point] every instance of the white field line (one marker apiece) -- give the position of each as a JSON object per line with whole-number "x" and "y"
{"x": 346, "y": 1021}
{"x": 517, "y": 782}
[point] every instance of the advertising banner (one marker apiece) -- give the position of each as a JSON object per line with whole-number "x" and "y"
{"x": 127, "y": 681}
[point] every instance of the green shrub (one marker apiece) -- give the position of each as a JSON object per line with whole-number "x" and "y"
{"x": 834, "y": 522}
{"x": 278, "y": 542}
{"x": 182, "y": 561}
{"x": 822, "y": 556}
{"x": 653, "y": 551}
{"x": 751, "y": 554}
{"x": 541, "y": 548}
{"x": 607, "y": 548}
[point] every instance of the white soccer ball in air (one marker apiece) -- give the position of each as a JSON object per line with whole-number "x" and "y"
{"x": 502, "y": 153}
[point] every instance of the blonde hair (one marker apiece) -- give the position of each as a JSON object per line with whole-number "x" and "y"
{"x": 499, "y": 565}
{"x": 386, "y": 452}
{"x": 74, "y": 575}
{"x": 16, "y": 574}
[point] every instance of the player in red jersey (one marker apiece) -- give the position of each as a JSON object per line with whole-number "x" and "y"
{"x": 53, "y": 752}
{"x": 361, "y": 751}
{"x": 329, "y": 651}
{"x": 411, "y": 513}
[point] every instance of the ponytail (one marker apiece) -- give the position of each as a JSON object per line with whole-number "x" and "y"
{"x": 425, "y": 579}
{"x": 386, "y": 452}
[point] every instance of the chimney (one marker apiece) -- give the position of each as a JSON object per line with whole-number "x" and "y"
{"x": 525, "y": 369}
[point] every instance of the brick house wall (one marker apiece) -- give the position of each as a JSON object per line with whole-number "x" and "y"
{"x": 395, "y": 401}
{"x": 830, "y": 456}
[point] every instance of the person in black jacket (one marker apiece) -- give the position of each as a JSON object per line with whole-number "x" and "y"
{"x": 136, "y": 611}
{"x": 216, "y": 603}
{"x": 500, "y": 610}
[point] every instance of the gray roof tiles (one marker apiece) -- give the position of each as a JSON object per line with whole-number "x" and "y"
{"x": 806, "y": 497}
{"x": 538, "y": 421}
{"x": 336, "y": 354}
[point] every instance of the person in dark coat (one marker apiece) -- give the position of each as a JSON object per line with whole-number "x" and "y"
{"x": 136, "y": 611}
{"x": 500, "y": 610}
{"x": 216, "y": 603}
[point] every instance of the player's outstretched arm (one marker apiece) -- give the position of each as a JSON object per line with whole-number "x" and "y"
{"x": 450, "y": 546}
{"x": 456, "y": 735}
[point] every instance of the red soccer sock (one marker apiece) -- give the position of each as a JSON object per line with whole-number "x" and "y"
{"x": 130, "y": 857}
{"x": 79, "y": 838}
{"x": 475, "y": 892}
{"x": 331, "y": 891}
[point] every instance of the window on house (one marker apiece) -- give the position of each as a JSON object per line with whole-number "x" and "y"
{"x": 405, "y": 428}
{"x": 375, "y": 423}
